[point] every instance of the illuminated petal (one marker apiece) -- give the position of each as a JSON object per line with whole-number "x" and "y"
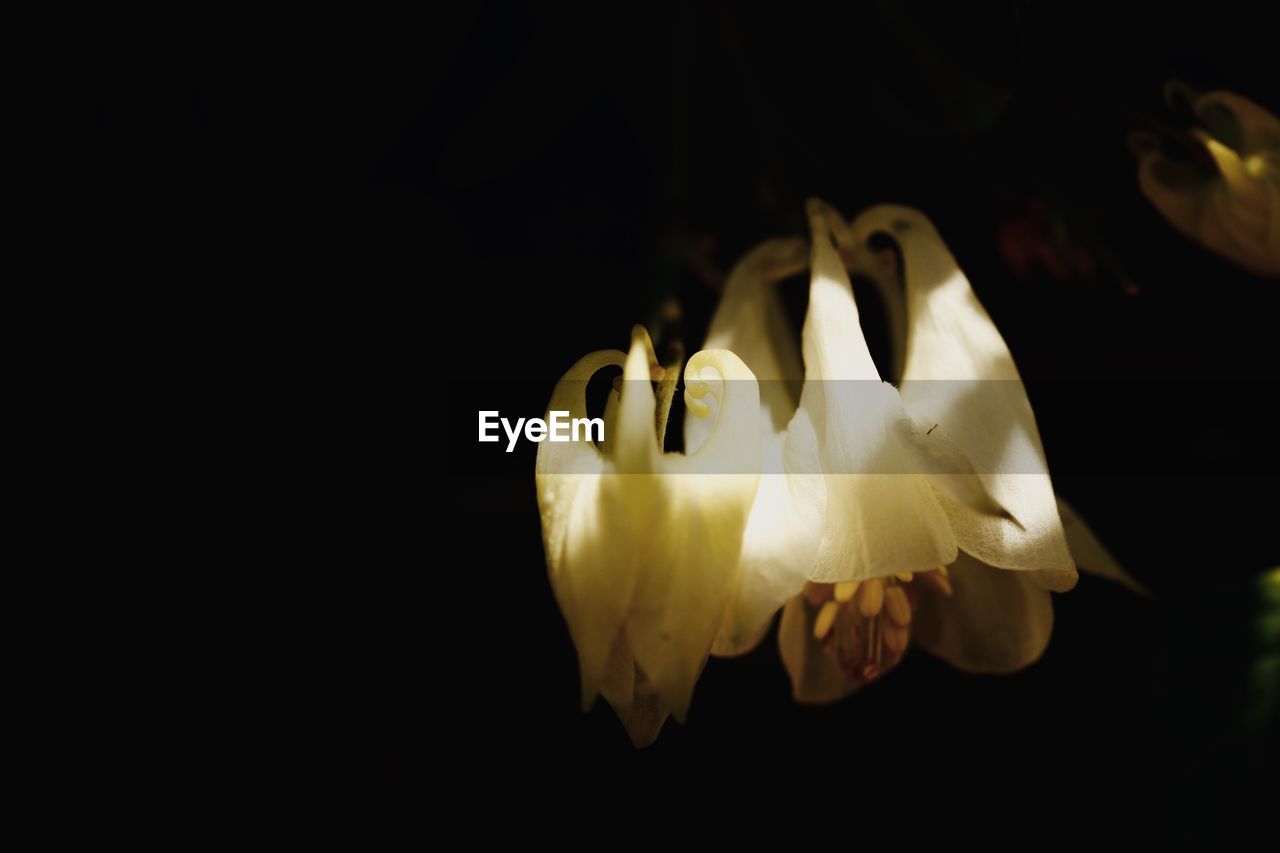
{"x": 946, "y": 465}
{"x": 692, "y": 549}
{"x": 960, "y": 374}
{"x": 994, "y": 621}
{"x": 853, "y": 503}
{"x": 634, "y": 447}
{"x": 749, "y": 321}
{"x": 786, "y": 517}
{"x": 643, "y": 547}
{"x": 591, "y": 580}
{"x": 880, "y": 518}
{"x": 781, "y": 539}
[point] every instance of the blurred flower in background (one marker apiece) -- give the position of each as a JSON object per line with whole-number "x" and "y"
{"x": 1219, "y": 186}
{"x": 1264, "y": 700}
{"x": 1039, "y": 239}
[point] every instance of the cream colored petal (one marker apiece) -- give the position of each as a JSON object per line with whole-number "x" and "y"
{"x": 880, "y": 519}
{"x": 690, "y": 572}
{"x": 945, "y": 464}
{"x": 994, "y": 622}
{"x": 734, "y": 443}
{"x": 644, "y": 546}
{"x": 634, "y": 446}
{"x": 619, "y": 506}
{"x": 785, "y": 522}
{"x": 690, "y": 545}
{"x": 816, "y": 676}
{"x": 782, "y": 537}
{"x": 749, "y": 321}
{"x": 1091, "y": 556}
{"x": 960, "y": 375}
{"x": 618, "y": 679}
{"x": 569, "y": 395}
{"x": 612, "y": 403}
{"x": 781, "y": 541}
{"x": 623, "y": 504}
{"x": 591, "y": 584}
{"x": 833, "y": 344}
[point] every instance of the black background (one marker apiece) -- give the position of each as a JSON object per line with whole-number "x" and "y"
{"x": 450, "y": 211}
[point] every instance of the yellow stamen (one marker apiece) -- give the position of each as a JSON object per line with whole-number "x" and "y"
{"x": 895, "y": 638}
{"x": 895, "y": 601}
{"x": 845, "y": 590}
{"x": 871, "y": 597}
{"x": 826, "y": 618}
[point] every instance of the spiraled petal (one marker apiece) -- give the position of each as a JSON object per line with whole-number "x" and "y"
{"x": 643, "y": 547}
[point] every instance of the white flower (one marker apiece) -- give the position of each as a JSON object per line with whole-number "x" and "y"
{"x": 643, "y": 546}
{"x": 1235, "y": 212}
{"x": 869, "y": 490}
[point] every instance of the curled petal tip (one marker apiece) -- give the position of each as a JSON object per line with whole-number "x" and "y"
{"x": 640, "y": 337}
{"x": 824, "y": 220}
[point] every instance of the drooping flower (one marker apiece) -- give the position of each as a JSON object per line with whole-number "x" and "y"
{"x": 1232, "y": 208}
{"x": 871, "y": 492}
{"x": 643, "y": 546}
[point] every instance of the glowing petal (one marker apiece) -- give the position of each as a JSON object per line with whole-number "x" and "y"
{"x": 576, "y": 533}
{"x": 749, "y": 322}
{"x": 786, "y": 517}
{"x": 643, "y": 547}
{"x": 960, "y": 374}
{"x": 780, "y": 542}
{"x": 880, "y": 519}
